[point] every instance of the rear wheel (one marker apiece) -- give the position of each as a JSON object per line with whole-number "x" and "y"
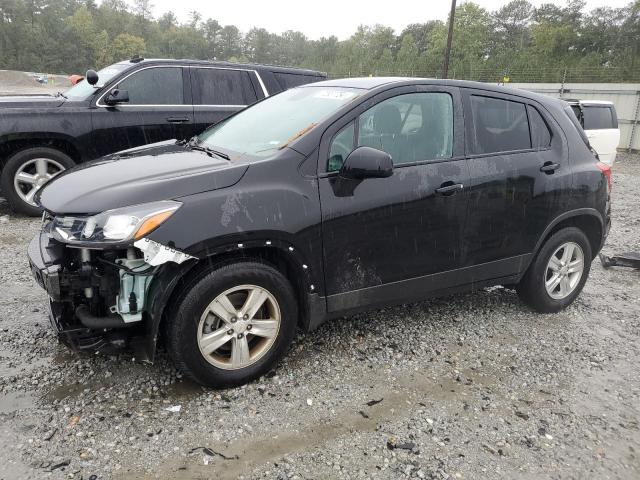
{"x": 27, "y": 171}
{"x": 558, "y": 273}
{"x": 233, "y": 325}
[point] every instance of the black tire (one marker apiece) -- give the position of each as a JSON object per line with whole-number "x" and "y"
{"x": 184, "y": 317}
{"x": 15, "y": 162}
{"x": 531, "y": 288}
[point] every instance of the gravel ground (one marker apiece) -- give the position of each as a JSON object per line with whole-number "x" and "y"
{"x": 470, "y": 386}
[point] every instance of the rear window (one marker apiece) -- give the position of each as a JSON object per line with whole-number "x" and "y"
{"x": 224, "y": 87}
{"x": 290, "y": 80}
{"x": 598, "y": 118}
{"x": 540, "y": 133}
{"x": 499, "y": 125}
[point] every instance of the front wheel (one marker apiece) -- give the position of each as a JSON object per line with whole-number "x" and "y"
{"x": 558, "y": 273}
{"x": 233, "y": 325}
{"x": 27, "y": 171}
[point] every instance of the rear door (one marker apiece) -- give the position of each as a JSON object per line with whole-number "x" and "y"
{"x": 219, "y": 92}
{"x": 600, "y": 123}
{"x": 159, "y": 108}
{"x": 520, "y": 179}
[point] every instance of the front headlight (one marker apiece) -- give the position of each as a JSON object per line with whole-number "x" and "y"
{"x": 114, "y": 226}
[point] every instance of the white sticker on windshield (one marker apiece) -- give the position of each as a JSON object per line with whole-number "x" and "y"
{"x": 334, "y": 94}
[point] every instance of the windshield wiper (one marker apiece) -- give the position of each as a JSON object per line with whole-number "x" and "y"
{"x": 210, "y": 151}
{"x": 60, "y": 94}
{"x": 194, "y": 144}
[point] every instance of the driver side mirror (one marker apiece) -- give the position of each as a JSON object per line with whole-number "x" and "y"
{"x": 367, "y": 162}
{"x": 117, "y": 96}
{"x": 91, "y": 77}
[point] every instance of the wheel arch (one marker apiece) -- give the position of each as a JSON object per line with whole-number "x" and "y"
{"x": 588, "y": 220}
{"x": 175, "y": 280}
{"x": 11, "y": 144}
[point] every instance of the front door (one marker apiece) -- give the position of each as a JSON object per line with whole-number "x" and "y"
{"x": 159, "y": 108}
{"x": 393, "y": 238}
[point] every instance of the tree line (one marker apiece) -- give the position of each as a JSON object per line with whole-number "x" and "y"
{"x": 518, "y": 42}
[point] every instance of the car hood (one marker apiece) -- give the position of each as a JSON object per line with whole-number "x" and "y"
{"x": 30, "y": 101}
{"x": 158, "y": 172}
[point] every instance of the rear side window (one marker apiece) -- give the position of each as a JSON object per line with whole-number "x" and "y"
{"x": 290, "y": 80}
{"x": 224, "y": 87}
{"x": 540, "y": 133}
{"x": 570, "y": 113}
{"x": 597, "y": 118}
{"x": 155, "y": 86}
{"x": 499, "y": 125}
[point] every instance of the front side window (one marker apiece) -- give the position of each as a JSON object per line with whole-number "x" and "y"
{"x": 597, "y": 118}
{"x": 224, "y": 87}
{"x": 342, "y": 145}
{"x": 411, "y": 128}
{"x": 155, "y": 86}
{"x": 499, "y": 125}
{"x": 270, "y": 125}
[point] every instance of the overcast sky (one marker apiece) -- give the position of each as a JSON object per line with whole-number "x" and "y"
{"x": 328, "y": 17}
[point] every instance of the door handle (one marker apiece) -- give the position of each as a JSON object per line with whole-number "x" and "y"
{"x": 177, "y": 119}
{"x": 549, "y": 167}
{"x": 449, "y": 188}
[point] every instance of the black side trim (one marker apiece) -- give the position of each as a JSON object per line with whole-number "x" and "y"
{"x": 158, "y": 297}
{"x": 317, "y": 312}
{"x": 573, "y": 213}
{"x": 427, "y": 285}
{"x": 506, "y": 280}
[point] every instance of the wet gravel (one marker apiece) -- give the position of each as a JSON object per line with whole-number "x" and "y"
{"x": 469, "y": 386}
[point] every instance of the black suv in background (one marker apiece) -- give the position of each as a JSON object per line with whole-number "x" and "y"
{"x": 125, "y": 105}
{"x": 326, "y": 199}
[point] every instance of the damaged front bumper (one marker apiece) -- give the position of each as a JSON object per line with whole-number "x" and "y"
{"x": 101, "y": 299}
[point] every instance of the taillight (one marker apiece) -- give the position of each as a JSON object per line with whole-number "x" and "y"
{"x": 606, "y": 171}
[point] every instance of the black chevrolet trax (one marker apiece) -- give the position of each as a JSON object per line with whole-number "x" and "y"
{"x": 323, "y": 200}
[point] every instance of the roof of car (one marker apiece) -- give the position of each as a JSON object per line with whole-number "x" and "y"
{"x": 589, "y": 102}
{"x": 370, "y": 83}
{"x": 251, "y": 66}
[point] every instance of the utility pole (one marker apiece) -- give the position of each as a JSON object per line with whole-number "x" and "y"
{"x": 447, "y": 52}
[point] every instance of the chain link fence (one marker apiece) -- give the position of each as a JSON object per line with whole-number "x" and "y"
{"x": 533, "y": 74}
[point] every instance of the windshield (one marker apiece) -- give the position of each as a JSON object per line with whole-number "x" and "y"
{"x": 83, "y": 89}
{"x": 275, "y": 122}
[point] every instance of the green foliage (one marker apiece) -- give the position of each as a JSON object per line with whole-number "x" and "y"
{"x": 523, "y": 42}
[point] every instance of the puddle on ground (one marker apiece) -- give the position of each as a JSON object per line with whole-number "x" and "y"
{"x": 13, "y": 401}
{"x": 13, "y": 364}
{"x": 244, "y": 455}
{"x": 185, "y": 390}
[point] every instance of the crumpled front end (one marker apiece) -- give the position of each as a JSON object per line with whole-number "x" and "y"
{"x": 102, "y": 298}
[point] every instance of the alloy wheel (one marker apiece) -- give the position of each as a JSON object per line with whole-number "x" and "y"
{"x": 32, "y": 176}
{"x": 564, "y": 270}
{"x": 239, "y": 327}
